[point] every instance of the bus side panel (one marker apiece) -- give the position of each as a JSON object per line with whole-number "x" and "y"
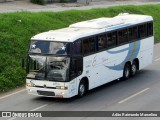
{"x": 72, "y": 87}
{"x": 108, "y": 65}
{"x": 146, "y": 52}
{"x": 105, "y": 66}
{"x": 90, "y": 70}
{"x": 113, "y": 65}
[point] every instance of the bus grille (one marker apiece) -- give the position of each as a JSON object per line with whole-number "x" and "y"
{"x": 46, "y": 93}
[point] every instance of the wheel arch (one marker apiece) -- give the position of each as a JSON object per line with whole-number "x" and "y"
{"x": 128, "y": 62}
{"x": 86, "y": 80}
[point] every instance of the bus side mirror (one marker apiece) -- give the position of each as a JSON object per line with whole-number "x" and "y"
{"x": 24, "y": 65}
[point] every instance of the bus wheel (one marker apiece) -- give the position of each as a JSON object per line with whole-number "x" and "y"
{"x": 81, "y": 89}
{"x": 126, "y": 71}
{"x": 133, "y": 68}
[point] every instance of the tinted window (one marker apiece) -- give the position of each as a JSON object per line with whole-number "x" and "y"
{"x": 122, "y": 36}
{"x": 73, "y": 68}
{"x": 88, "y": 45}
{"x": 85, "y": 46}
{"x": 76, "y": 67}
{"x": 47, "y": 47}
{"x": 102, "y": 41}
{"x": 92, "y": 44}
{"x": 142, "y": 31}
{"x": 111, "y": 39}
{"x": 133, "y": 33}
{"x": 77, "y": 48}
{"x": 150, "y": 29}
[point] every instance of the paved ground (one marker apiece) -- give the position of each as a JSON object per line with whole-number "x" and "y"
{"x": 140, "y": 93}
{"x": 25, "y": 5}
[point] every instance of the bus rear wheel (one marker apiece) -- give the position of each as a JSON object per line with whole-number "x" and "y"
{"x": 133, "y": 68}
{"x": 82, "y": 89}
{"x": 126, "y": 71}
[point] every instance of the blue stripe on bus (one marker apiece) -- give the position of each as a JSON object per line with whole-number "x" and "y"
{"x": 119, "y": 51}
{"x": 133, "y": 51}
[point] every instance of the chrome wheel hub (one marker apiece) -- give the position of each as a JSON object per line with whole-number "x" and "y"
{"x": 127, "y": 72}
{"x": 82, "y": 89}
{"x": 133, "y": 69}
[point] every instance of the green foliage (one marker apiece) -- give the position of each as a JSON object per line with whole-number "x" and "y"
{"x": 17, "y": 29}
{"x": 40, "y": 2}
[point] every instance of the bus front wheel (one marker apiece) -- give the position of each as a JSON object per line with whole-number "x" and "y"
{"x": 81, "y": 89}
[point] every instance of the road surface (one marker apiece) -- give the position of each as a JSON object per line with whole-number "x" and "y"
{"x": 140, "y": 93}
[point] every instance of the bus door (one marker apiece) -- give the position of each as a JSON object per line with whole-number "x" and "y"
{"x": 76, "y": 68}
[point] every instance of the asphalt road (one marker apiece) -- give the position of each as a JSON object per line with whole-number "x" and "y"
{"x": 140, "y": 93}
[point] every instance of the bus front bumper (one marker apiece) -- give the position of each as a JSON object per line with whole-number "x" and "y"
{"x": 57, "y": 93}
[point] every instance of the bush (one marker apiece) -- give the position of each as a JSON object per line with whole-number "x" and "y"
{"x": 5, "y": 84}
{"x": 40, "y": 2}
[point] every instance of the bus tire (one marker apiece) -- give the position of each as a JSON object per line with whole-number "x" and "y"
{"x": 126, "y": 71}
{"x": 82, "y": 89}
{"x": 134, "y": 68}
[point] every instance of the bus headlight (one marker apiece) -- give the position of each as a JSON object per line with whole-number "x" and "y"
{"x": 30, "y": 85}
{"x": 62, "y": 87}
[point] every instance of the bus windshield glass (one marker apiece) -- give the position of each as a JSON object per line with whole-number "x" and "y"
{"x": 48, "y": 47}
{"x": 48, "y": 68}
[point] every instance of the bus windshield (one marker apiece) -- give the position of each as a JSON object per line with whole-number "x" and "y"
{"x": 48, "y": 68}
{"x": 48, "y": 47}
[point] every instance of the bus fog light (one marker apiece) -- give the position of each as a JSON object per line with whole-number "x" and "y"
{"x": 29, "y": 90}
{"x": 62, "y": 93}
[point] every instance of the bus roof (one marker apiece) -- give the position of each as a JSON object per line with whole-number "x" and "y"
{"x": 91, "y": 27}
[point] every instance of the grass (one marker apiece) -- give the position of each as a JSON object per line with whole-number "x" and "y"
{"x": 16, "y": 29}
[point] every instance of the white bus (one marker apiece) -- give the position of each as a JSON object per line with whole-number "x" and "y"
{"x": 70, "y": 61}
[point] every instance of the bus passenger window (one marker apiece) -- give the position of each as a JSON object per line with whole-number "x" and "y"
{"x": 102, "y": 42}
{"x": 92, "y": 44}
{"x": 133, "y": 33}
{"x": 88, "y": 45}
{"x": 142, "y": 31}
{"x": 77, "y": 48}
{"x": 111, "y": 39}
{"x": 150, "y": 29}
{"x": 122, "y": 36}
{"x": 85, "y": 46}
